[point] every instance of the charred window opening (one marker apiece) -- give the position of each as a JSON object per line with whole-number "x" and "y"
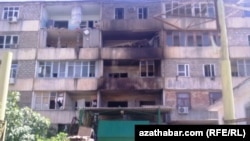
{"x": 147, "y": 39}
{"x": 147, "y": 103}
{"x": 117, "y": 104}
{"x": 119, "y": 13}
{"x": 61, "y": 24}
{"x": 147, "y": 68}
{"x": 118, "y": 75}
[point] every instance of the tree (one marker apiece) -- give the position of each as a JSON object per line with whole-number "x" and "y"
{"x": 23, "y": 123}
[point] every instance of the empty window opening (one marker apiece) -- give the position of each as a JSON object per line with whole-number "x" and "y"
{"x": 117, "y": 104}
{"x": 61, "y": 24}
{"x": 147, "y": 103}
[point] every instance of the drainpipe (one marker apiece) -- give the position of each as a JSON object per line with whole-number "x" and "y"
{"x": 227, "y": 88}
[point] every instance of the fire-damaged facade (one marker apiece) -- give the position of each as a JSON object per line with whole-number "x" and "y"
{"x": 146, "y": 59}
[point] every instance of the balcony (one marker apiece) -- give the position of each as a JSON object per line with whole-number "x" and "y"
{"x": 192, "y": 83}
{"x": 67, "y": 53}
{"x": 191, "y": 52}
{"x": 43, "y": 84}
{"x": 194, "y": 117}
{"x": 238, "y": 22}
{"x": 59, "y": 116}
{"x": 130, "y": 24}
{"x": 131, "y": 53}
{"x": 21, "y": 53}
{"x": 240, "y": 52}
{"x": 131, "y": 83}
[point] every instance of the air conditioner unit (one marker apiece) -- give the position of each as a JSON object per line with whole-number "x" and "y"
{"x": 12, "y": 80}
{"x": 183, "y": 110}
{"x": 12, "y": 20}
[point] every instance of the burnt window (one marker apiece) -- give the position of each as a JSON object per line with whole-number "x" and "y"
{"x": 147, "y": 68}
{"x": 117, "y": 104}
{"x": 145, "y": 103}
{"x": 119, "y": 13}
{"x": 61, "y": 24}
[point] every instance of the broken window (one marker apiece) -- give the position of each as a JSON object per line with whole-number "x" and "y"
{"x": 209, "y": 70}
{"x": 183, "y": 70}
{"x": 117, "y": 104}
{"x": 214, "y": 96}
{"x": 146, "y": 103}
{"x": 49, "y": 101}
{"x": 183, "y": 100}
{"x": 119, "y": 13}
{"x": 143, "y": 13}
{"x": 8, "y": 41}
{"x": 147, "y": 68}
{"x": 61, "y": 24}
{"x": 10, "y": 12}
{"x": 118, "y": 75}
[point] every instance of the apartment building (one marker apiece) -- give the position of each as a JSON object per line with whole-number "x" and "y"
{"x": 155, "y": 60}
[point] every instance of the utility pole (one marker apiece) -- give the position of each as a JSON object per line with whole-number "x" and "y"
{"x": 226, "y": 77}
{"x": 4, "y": 88}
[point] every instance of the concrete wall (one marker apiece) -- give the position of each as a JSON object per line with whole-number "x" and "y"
{"x": 130, "y": 21}
{"x": 25, "y": 99}
{"x": 195, "y": 66}
{"x": 132, "y": 98}
{"x": 26, "y": 69}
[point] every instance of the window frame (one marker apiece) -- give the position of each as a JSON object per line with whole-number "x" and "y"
{"x": 117, "y": 13}
{"x": 63, "y": 71}
{"x": 210, "y": 70}
{"x": 187, "y": 100}
{"x": 11, "y": 44}
{"x": 8, "y": 11}
{"x": 13, "y": 70}
{"x": 148, "y": 63}
{"x": 143, "y": 16}
{"x": 48, "y": 95}
{"x": 186, "y": 70}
